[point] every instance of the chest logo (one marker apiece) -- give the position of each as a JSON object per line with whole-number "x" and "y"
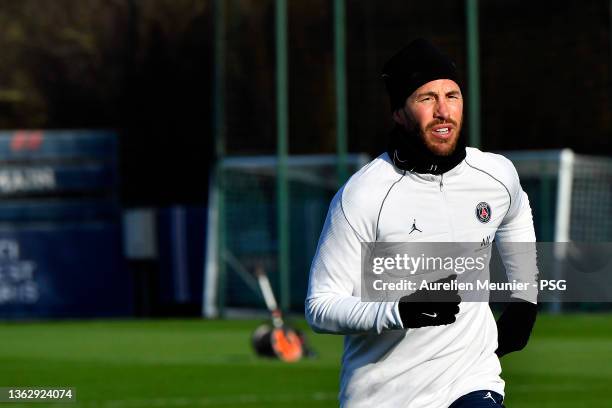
{"x": 483, "y": 212}
{"x": 414, "y": 228}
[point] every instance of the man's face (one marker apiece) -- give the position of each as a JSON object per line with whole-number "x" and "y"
{"x": 435, "y": 110}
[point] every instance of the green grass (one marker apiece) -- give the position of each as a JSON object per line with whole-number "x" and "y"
{"x": 568, "y": 363}
{"x": 189, "y": 363}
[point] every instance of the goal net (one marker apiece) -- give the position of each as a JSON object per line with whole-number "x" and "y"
{"x": 242, "y": 227}
{"x": 570, "y": 196}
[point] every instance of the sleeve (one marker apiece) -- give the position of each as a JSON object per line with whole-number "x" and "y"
{"x": 515, "y": 240}
{"x": 332, "y": 303}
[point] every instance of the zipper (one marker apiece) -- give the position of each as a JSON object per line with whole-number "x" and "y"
{"x": 446, "y": 209}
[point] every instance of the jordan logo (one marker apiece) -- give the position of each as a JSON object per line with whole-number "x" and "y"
{"x": 414, "y": 228}
{"x": 488, "y": 395}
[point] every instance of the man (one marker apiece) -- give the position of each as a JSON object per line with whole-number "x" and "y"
{"x": 427, "y": 187}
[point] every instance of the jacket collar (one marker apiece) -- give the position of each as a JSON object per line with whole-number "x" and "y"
{"x": 407, "y": 152}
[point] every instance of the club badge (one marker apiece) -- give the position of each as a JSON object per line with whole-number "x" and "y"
{"x": 483, "y": 212}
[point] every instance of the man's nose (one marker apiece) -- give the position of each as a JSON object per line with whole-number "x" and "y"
{"x": 442, "y": 111}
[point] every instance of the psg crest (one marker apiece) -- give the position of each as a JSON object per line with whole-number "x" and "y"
{"x": 483, "y": 212}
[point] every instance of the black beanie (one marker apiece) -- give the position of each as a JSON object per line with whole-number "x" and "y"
{"x": 416, "y": 64}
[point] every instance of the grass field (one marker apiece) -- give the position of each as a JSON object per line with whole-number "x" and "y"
{"x": 191, "y": 363}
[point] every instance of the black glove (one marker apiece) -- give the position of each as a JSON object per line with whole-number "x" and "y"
{"x": 514, "y": 326}
{"x": 430, "y": 308}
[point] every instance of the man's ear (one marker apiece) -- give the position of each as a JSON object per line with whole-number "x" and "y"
{"x": 398, "y": 117}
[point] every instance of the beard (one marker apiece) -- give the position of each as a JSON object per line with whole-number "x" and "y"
{"x": 438, "y": 147}
{"x": 409, "y": 149}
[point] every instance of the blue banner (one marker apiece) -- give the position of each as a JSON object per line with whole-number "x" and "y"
{"x": 63, "y": 271}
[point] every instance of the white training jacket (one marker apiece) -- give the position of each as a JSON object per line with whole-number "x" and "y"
{"x": 383, "y": 364}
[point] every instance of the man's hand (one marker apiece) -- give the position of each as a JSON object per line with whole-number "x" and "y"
{"x": 430, "y": 308}
{"x": 514, "y": 326}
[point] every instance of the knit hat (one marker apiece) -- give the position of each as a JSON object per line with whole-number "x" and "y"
{"x": 413, "y": 66}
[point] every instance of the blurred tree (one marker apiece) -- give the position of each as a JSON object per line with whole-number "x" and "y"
{"x": 145, "y": 68}
{"x": 142, "y": 67}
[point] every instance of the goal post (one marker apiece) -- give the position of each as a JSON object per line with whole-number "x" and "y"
{"x": 571, "y": 200}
